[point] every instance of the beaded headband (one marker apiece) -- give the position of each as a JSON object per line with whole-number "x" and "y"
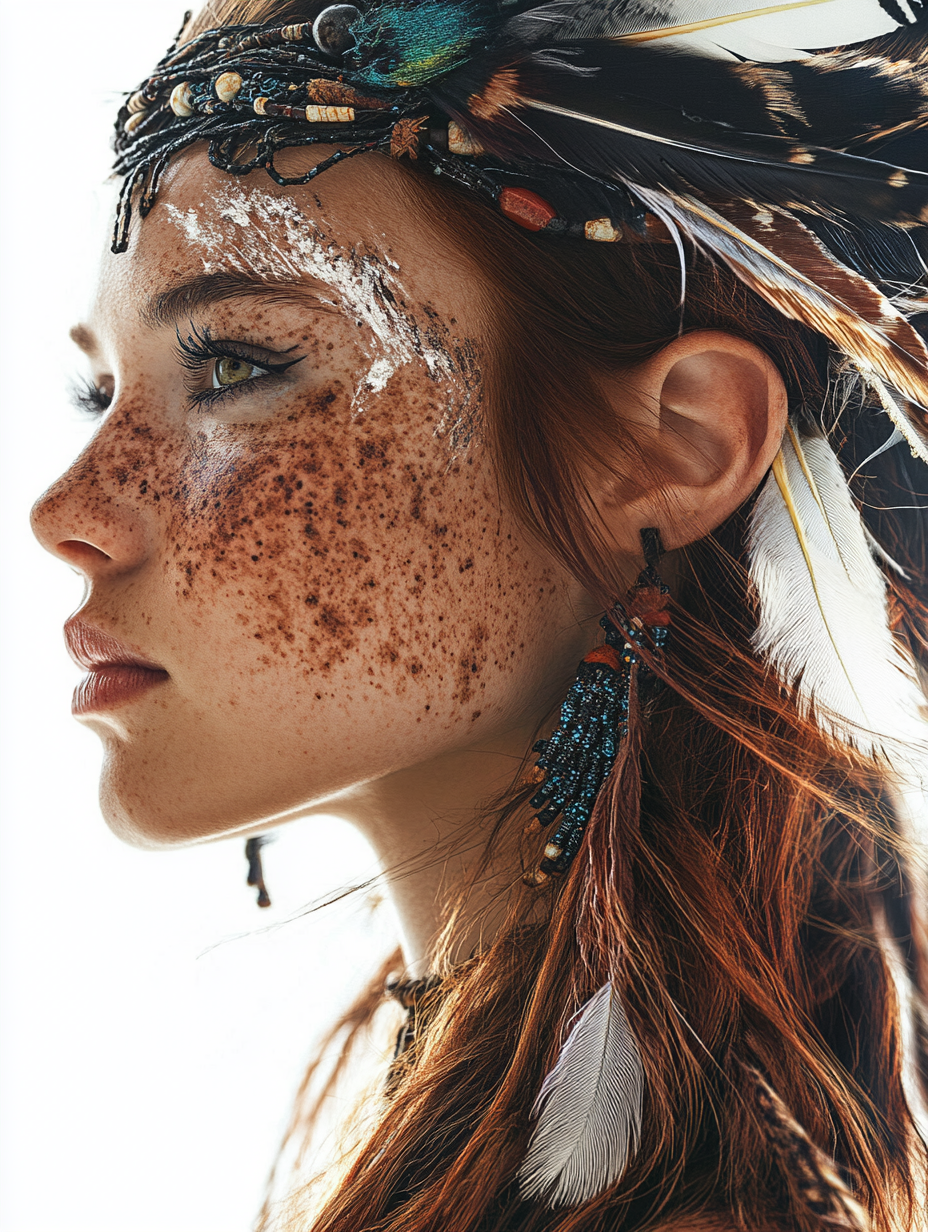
{"x": 605, "y": 120}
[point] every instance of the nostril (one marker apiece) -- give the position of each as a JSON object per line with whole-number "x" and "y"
{"x": 80, "y": 554}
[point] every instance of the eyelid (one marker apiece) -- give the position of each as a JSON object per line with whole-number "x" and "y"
{"x": 200, "y": 346}
{"x": 200, "y": 349}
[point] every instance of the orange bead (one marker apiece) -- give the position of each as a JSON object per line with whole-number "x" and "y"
{"x": 604, "y": 654}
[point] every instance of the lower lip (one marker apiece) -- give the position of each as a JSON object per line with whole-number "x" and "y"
{"x": 112, "y": 684}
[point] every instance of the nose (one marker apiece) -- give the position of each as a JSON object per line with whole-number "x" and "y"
{"x": 87, "y": 521}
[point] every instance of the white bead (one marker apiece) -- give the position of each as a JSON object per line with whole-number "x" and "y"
{"x": 602, "y": 230}
{"x": 461, "y": 142}
{"x": 227, "y": 86}
{"x": 259, "y": 103}
{"x": 134, "y": 121}
{"x": 138, "y": 102}
{"x": 181, "y": 99}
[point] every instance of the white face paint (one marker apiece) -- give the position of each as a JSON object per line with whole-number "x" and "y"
{"x": 250, "y": 231}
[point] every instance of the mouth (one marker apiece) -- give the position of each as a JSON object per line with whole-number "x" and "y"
{"x": 115, "y": 674}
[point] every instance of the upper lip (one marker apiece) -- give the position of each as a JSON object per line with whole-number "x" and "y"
{"x": 92, "y": 649}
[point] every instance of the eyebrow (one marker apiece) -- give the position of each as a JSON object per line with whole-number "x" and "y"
{"x": 176, "y": 304}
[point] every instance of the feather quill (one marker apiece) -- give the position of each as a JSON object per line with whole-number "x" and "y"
{"x": 589, "y": 1108}
{"x": 823, "y": 611}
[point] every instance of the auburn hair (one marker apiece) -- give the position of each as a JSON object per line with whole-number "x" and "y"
{"x": 767, "y": 899}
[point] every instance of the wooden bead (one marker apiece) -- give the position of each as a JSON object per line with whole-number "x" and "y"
{"x": 535, "y": 877}
{"x": 295, "y": 34}
{"x": 317, "y": 114}
{"x": 337, "y": 94}
{"x": 461, "y": 142}
{"x": 260, "y": 104}
{"x": 227, "y": 86}
{"x": 182, "y": 100}
{"x": 553, "y": 852}
{"x": 526, "y": 208}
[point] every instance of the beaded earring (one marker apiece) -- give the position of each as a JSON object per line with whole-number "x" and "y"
{"x": 593, "y": 723}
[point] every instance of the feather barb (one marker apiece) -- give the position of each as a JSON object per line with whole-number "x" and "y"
{"x": 693, "y": 27}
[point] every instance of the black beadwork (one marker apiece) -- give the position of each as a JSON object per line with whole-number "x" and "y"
{"x": 284, "y": 69}
{"x": 593, "y": 722}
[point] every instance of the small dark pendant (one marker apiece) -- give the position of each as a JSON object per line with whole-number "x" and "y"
{"x": 332, "y": 29}
{"x": 255, "y": 872}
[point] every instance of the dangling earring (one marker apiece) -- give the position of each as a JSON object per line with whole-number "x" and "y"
{"x": 255, "y": 872}
{"x": 589, "y": 1110}
{"x": 577, "y": 759}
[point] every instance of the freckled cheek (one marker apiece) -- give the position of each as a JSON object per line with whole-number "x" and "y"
{"x": 334, "y": 535}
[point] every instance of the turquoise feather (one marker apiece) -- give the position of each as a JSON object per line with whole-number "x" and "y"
{"x": 406, "y": 47}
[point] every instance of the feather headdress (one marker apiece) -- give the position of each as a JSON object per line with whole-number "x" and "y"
{"x": 805, "y": 171}
{"x": 788, "y": 141}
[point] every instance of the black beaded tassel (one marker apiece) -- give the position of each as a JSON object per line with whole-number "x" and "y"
{"x": 593, "y": 722}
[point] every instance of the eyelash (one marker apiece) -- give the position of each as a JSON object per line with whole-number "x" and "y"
{"x": 199, "y": 349}
{"x": 194, "y": 353}
{"x": 90, "y": 399}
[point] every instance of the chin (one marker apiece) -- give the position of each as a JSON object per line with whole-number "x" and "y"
{"x": 148, "y": 810}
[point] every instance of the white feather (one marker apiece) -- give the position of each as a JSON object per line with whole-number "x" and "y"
{"x": 588, "y": 1109}
{"x": 758, "y": 30}
{"x": 823, "y": 609}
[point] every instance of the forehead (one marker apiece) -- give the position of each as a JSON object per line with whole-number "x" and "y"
{"x": 205, "y": 221}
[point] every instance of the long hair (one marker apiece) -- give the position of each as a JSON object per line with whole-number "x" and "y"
{"x": 763, "y": 886}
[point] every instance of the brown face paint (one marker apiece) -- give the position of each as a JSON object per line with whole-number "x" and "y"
{"x": 321, "y": 560}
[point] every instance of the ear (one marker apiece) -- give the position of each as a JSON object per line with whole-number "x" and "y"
{"x": 707, "y": 415}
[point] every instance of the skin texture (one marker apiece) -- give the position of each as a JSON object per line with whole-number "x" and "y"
{"x": 351, "y": 618}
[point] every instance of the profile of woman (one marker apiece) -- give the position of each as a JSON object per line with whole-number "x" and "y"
{"x": 442, "y": 346}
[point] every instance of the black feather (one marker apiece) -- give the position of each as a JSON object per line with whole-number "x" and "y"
{"x": 730, "y": 146}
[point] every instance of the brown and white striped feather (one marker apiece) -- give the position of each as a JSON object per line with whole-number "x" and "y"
{"x": 780, "y": 259}
{"x": 811, "y": 1176}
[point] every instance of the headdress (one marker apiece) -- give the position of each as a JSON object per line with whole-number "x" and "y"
{"x": 804, "y": 171}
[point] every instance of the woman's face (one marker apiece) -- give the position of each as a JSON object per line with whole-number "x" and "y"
{"x": 301, "y": 574}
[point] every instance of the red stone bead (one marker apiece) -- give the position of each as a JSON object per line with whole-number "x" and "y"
{"x": 526, "y": 208}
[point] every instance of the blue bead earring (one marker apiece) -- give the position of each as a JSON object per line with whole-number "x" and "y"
{"x": 593, "y": 722}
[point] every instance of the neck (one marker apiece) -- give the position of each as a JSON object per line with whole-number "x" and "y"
{"x": 429, "y": 826}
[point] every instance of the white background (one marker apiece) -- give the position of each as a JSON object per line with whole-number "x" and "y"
{"x": 152, "y": 1032}
{"x": 147, "y": 1070}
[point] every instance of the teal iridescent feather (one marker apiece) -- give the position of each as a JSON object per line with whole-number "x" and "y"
{"x": 408, "y": 45}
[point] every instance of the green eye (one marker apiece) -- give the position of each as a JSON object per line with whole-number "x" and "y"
{"x": 230, "y": 371}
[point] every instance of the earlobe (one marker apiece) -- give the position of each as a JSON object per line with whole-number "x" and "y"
{"x": 706, "y": 416}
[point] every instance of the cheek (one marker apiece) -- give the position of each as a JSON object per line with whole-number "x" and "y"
{"x": 355, "y": 551}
